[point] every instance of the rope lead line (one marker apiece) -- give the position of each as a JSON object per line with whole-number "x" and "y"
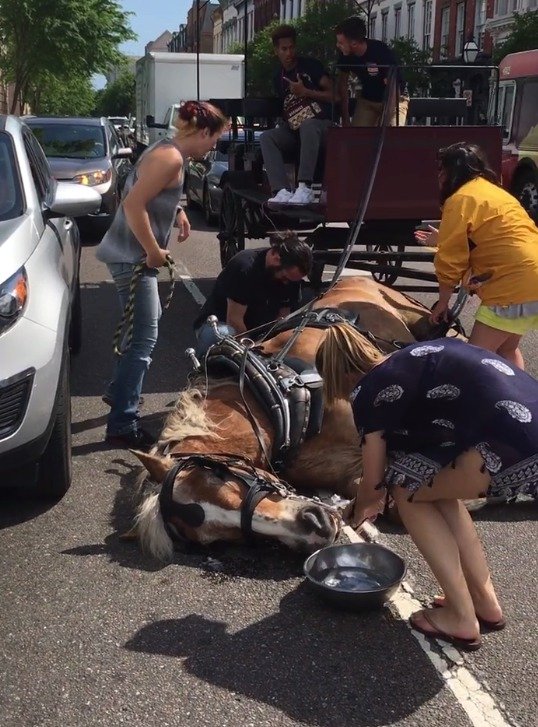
{"x": 125, "y": 326}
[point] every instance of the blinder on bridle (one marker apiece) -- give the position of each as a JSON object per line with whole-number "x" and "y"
{"x": 222, "y": 466}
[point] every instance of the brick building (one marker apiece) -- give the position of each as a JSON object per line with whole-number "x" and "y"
{"x": 456, "y": 22}
{"x": 185, "y": 40}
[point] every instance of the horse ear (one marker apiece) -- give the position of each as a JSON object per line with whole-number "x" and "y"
{"x": 155, "y": 465}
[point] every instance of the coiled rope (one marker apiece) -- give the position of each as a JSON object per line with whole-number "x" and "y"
{"x": 124, "y": 331}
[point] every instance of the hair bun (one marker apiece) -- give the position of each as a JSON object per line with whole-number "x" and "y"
{"x": 188, "y": 111}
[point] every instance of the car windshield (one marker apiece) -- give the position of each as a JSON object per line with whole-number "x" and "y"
{"x": 118, "y": 120}
{"x": 74, "y": 141}
{"x": 11, "y": 200}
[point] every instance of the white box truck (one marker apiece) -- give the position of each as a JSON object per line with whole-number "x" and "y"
{"x": 164, "y": 80}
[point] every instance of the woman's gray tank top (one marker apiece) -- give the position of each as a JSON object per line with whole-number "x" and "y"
{"x": 119, "y": 245}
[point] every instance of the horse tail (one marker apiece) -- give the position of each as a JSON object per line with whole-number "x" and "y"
{"x": 151, "y": 530}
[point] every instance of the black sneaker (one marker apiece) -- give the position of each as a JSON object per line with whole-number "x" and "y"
{"x": 108, "y": 401}
{"x": 136, "y": 439}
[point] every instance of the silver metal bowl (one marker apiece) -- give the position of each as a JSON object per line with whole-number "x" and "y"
{"x": 355, "y": 576}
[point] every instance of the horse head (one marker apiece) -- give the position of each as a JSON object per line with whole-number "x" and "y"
{"x": 207, "y": 498}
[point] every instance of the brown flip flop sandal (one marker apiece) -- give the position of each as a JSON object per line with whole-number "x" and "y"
{"x": 436, "y": 633}
{"x": 484, "y": 624}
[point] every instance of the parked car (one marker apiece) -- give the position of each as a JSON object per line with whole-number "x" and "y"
{"x": 203, "y": 176}
{"x": 86, "y": 151}
{"x": 39, "y": 308}
{"x": 119, "y": 121}
{"x": 125, "y": 128}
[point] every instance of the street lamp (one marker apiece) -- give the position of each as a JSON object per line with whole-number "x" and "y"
{"x": 470, "y": 51}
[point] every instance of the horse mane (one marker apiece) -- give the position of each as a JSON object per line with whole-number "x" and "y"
{"x": 189, "y": 417}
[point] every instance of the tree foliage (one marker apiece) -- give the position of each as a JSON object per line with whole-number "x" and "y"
{"x": 523, "y": 36}
{"x": 316, "y": 37}
{"x": 64, "y": 38}
{"x": 409, "y": 53}
{"x": 62, "y": 96}
{"x": 118, "y": 98}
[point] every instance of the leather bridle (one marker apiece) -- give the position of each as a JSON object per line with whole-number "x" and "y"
{"x": 259, "y": 486}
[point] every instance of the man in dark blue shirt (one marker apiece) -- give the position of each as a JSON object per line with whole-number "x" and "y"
{"x": 368, "y": 60}
{"x": 307, "y": 93}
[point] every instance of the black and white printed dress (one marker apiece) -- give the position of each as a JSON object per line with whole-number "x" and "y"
{"x": 437, "y": 399}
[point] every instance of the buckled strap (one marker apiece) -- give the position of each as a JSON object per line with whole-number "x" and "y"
{"x": 256, "y": 493}
{"x": 257, "y": 487}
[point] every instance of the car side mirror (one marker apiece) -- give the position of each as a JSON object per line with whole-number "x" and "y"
{"x": 74, "y": 200}
{"x": 151, "y": 124}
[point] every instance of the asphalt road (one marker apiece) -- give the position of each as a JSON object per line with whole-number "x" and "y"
{"x": 93, "y": 632}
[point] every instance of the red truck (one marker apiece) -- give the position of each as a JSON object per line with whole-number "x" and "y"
{"x": 517, "y": 113}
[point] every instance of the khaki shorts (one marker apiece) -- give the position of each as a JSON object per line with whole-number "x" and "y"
{"x": 368, "y": 113}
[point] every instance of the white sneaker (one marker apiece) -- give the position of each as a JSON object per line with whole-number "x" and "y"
{"x": 303, "y": 195}
{"x": 281, "y": 197}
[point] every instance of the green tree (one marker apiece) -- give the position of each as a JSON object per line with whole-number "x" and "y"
{"x": 523, "y": 36}
{"x": 64, "y": 38}
{"x": 62, "y": 96}
{"x": 409, "y": 53}
{"x": 118, "y": 98}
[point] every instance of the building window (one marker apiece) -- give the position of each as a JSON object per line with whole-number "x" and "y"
{"x": 501, "y": 7}
{"x": 479, "y": 22}
{"x": 397, "y": 22}
{"x": 445, "y": 24}
{"x": 460, "y": 32}
{"x": 373, "y": 21}
{"x": 427, "y": 26}
{"x": 384, "y": 25}
{"x": 411, "y": 20}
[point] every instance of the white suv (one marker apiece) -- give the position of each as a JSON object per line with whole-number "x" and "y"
{"x": 39, "y": 308}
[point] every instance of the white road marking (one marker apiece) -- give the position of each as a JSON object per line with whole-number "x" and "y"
{"x": 188, "y": 282}
{"x": 474, "y": 698}
{"x": 479, "y": 704}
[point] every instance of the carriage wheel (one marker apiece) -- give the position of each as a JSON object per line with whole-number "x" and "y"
{"x": 231, "y": 227}
{"x": 390, "y": 277}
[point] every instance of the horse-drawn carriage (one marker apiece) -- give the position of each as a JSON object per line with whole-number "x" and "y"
{"x": 375, "y": 186}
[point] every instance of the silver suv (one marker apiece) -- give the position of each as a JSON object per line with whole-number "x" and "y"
{"x": 39, "y": 308}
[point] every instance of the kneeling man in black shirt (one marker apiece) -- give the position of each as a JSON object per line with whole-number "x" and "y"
{"x": 256, "y": 287}
{"x": 368, "y": 60}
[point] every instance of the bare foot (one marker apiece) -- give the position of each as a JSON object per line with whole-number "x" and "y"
{"x": 447, "y": 622}
{"x": 491, "y": 613}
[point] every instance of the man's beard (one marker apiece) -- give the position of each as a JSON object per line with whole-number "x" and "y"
{"x": 272, "y": 272}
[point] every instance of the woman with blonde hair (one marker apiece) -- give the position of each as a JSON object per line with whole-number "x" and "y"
{"x": 440, "y": 422}
{"x": 140, "y": 232}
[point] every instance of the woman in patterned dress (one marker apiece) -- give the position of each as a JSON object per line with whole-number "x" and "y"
{"x": 440, "y": 422}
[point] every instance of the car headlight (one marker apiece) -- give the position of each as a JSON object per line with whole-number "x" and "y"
{"x": 13, "y": 296}
{"x": 91, "y": 179}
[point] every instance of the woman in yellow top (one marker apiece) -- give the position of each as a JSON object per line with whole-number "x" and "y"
{"x": 485, "y": 229}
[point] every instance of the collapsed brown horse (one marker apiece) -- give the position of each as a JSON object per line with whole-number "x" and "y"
{"x": 210, "y": 497}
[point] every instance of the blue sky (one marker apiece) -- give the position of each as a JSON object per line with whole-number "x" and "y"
{"x": 150, "y": 19}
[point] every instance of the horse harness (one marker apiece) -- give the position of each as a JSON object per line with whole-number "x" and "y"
{"x": 290, "y": 392}
{"x": 259, "y": 486}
